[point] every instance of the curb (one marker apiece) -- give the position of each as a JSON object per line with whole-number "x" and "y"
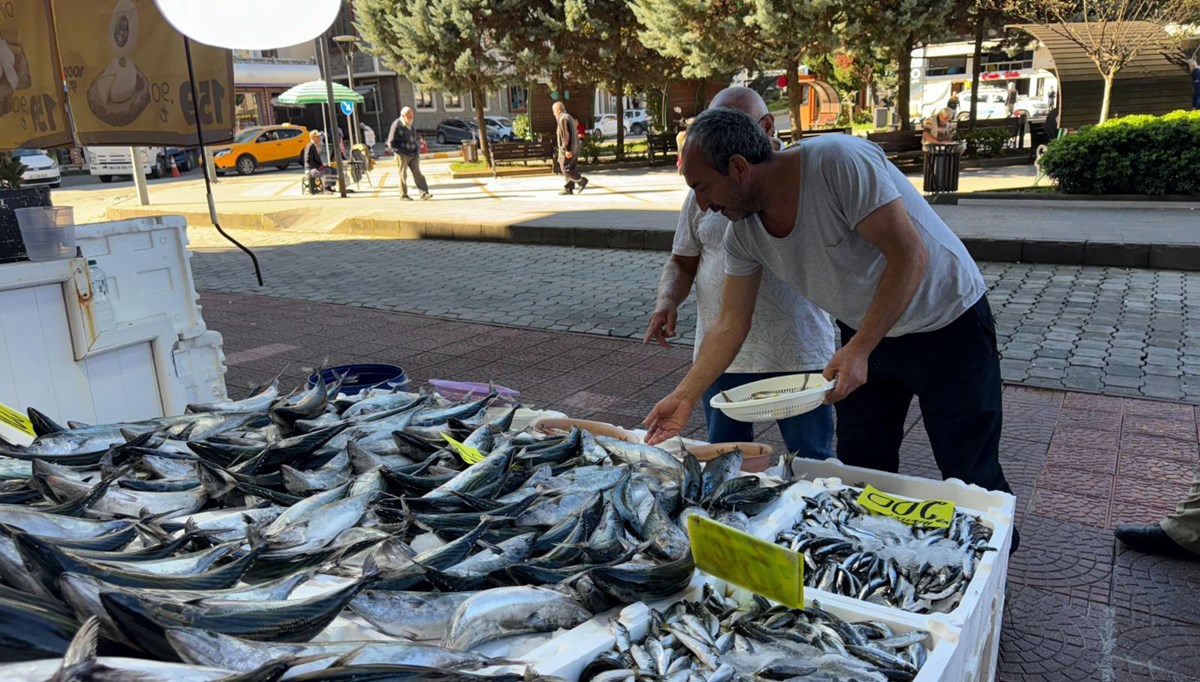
{"x": 1151, "y": 256}
{"x": 1175, "y": 202}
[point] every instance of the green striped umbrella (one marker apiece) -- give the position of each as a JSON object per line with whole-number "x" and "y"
{"x": 314, "y": 92}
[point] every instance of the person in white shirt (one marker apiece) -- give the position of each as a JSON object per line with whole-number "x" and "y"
{"x": 789, "y": 335}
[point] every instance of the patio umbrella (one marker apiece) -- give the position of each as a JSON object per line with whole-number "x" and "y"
{"x": 313, "y": 92}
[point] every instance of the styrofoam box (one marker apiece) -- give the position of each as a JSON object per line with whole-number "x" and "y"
{"x": 981, "y": 609}
{"x": 200, "y": 367}
{"x": 567, "y": 655}
{"x": 148, "y": 268}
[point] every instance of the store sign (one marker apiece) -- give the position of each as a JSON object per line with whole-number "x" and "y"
{"x": 999, "y": 75}
{"x": 746, "y": 561}
{"x": 930, "y": 513}
{"x": 32, "y": 113}
{"x": 127, "y": 77}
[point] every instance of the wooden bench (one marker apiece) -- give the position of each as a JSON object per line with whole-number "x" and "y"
{"x": 786, "y": 135}
{"x": 1015, "y": 127}
{"x": 523, "y": 151}
{"x": 903, "y": 147}
{"x": 662, "y": 145}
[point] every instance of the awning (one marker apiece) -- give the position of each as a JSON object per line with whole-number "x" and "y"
{"x": 1151, "y": 84}
{"x": 316, "y": 92}
{"x": 273, "y": 75}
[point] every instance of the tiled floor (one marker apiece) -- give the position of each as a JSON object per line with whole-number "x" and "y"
{"x": 1079, "y": 606}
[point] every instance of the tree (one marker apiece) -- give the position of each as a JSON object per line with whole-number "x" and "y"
{"x": 1111, "y": 32}
{"x": 724, "y": 36}
{"x": 446, "y": 45}
{"x": 897, "y": 26}
{"x": 608, "y": 43}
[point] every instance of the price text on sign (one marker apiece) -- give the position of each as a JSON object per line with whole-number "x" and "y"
{"x": 740, "y": 558}
{"x": 469, "y": 454}
{"x": 16, "y": 420}
{"x": 931, "y": 513}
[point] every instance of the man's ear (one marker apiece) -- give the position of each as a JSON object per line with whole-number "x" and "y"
{"x": 739, "y": 168}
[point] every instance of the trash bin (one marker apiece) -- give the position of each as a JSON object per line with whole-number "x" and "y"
{"x": 941, "y": 167}
{"x": 470, "y": 152}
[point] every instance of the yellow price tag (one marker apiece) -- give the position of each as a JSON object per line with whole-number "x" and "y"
{"x": 759, "y": 566}
{"x": 15, "y": 427}
{"x": 931, "y": 513}
{"x": 469, "y": 454}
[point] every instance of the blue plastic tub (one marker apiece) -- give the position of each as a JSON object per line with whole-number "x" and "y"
{"x": 362, "y": 377}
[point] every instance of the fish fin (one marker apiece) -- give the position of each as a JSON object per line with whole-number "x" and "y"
{"x": 348, "y": 657}
{"x": 81, "y": 654}
{"x": 43, "y": 425}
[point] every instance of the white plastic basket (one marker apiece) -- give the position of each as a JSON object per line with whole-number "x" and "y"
{"x": 796, "y": 394}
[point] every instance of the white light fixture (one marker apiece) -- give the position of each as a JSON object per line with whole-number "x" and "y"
{"x": 250, "y": 24}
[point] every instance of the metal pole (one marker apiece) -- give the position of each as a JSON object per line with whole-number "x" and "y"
{"x": 212, "y": 205}
{"x": 323, "y": 56}
{"x": 139, "y": 175}
{"x": 354, "y": 132}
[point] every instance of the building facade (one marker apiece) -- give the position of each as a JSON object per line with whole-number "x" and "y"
{"x": 945, "y": 69}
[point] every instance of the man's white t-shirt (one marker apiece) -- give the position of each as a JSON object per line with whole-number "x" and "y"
{"x": 788, "y": 333}
{"x": 843, "y": 179}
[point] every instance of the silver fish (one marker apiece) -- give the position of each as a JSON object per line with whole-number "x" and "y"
{"x": 505, "y": 611}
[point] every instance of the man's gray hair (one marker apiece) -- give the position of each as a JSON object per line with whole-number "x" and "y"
{"x": 720, "y": 133}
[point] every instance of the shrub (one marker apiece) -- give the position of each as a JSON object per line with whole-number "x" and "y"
{"x": 521, "y": 127}
{"x": 863, "y": 117}
{"x": 984, "y": 143}
{"x": 1139, "y": 154}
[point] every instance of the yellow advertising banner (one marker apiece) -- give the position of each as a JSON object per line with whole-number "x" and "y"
{"x": 127, "y": 77}
{"x": 31, "y": 95}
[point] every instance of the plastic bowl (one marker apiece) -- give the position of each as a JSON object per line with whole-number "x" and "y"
{"x": 362, "y": 377}
{"x": 459, "y": 390}
{"x": 557, "y": 425}
{"x": 788, "y": 396}
{"x": 756, "y": 456}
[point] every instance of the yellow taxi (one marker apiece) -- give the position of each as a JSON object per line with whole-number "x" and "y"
{"x": 278, "y": 146}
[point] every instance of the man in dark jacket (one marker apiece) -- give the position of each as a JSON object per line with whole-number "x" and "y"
{"x": 314, "y": 167}
{"x": 568, "y": 149}
{"x": 403, "y": 140}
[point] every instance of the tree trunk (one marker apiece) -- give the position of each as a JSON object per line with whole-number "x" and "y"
{"x": 620, "y": 119}
{"x": 1108, "y": 83}
{"x": 904, "y": 83}
{"x": 980, "y": 30}
{"x": 485, "y": 147}
{"x": 793, "y": 87}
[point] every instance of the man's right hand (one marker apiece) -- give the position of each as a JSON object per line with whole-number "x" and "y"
{"x": 568, "y": 154}
{"x": 667, "y": 419}
{"x": 662, "y": 326}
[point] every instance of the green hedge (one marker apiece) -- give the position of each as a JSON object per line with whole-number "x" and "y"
{"x": 1130, "y": 155}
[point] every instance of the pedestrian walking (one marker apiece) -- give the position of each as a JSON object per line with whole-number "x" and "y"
{"x": 568, "y": 149}
{"x": 840, "y": 224}
{"x": 788, "y": 335}
{"x": 1010, "y": 98}
{"x": 406, "y": 144}
{"x": 1194, "y": 69}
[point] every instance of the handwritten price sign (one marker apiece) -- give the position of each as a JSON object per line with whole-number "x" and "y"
{"x": 930, "y": 513}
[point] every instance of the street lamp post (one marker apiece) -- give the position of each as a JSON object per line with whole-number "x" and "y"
{"x": 347, "y": 42}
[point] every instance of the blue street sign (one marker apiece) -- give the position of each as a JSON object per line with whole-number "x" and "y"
{"x": 347, "y": 108}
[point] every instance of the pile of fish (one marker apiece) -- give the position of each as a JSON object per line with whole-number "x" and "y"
{"x": 850, "y": 552}
{"x": 714, "y": 639}
{"x": 182, "y": 539}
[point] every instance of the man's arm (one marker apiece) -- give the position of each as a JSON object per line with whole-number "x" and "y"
{"x": 721, "y": 344}
{"x": 891, "y": 231}
{"x": 390, "y": 142}
{"x": 678, "y": 274}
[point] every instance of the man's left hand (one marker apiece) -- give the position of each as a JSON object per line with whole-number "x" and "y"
{"x": 849, "y": 367}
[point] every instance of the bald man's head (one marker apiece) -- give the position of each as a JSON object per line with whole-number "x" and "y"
{"x": 748, "y": 102}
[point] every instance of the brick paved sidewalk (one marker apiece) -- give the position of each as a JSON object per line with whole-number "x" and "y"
{"x": 1079, "y": 606}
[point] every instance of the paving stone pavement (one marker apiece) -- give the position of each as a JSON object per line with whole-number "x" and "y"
{"x": 1107, "y": 330}
{"x": 1078, "y": 605}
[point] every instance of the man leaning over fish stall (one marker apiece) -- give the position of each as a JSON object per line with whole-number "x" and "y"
{"x": 788, "y": 335}
{"x": 844, "y": 227}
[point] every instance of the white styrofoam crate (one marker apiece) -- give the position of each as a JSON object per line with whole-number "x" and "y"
{"x": 981, "y": 609}
{"x": 567, "y": 655}
{"x": 148, "y": 268}
{"x": 200, "y": 367}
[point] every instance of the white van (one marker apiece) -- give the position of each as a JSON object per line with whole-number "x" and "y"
{"x": 107, "y": 163}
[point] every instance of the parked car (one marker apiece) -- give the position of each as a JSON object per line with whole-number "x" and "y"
{"x": 990, "y": 105}
{"x": 459, "y": 130}
{"x": 110, "y": 163}
{"x": 278, "y": 146}
{"x": 1031, "y": 107}
{"x": 636, "y": 121}
{"x": 606, "y": 126}
{"x": 501, "y": 127}
{"x": 40, "y": 167}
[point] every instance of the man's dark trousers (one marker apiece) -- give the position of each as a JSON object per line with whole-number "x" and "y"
{"x": 411, "y": 162}
{"x": 955, "y": 374}
{"x": 570, "y": 170}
